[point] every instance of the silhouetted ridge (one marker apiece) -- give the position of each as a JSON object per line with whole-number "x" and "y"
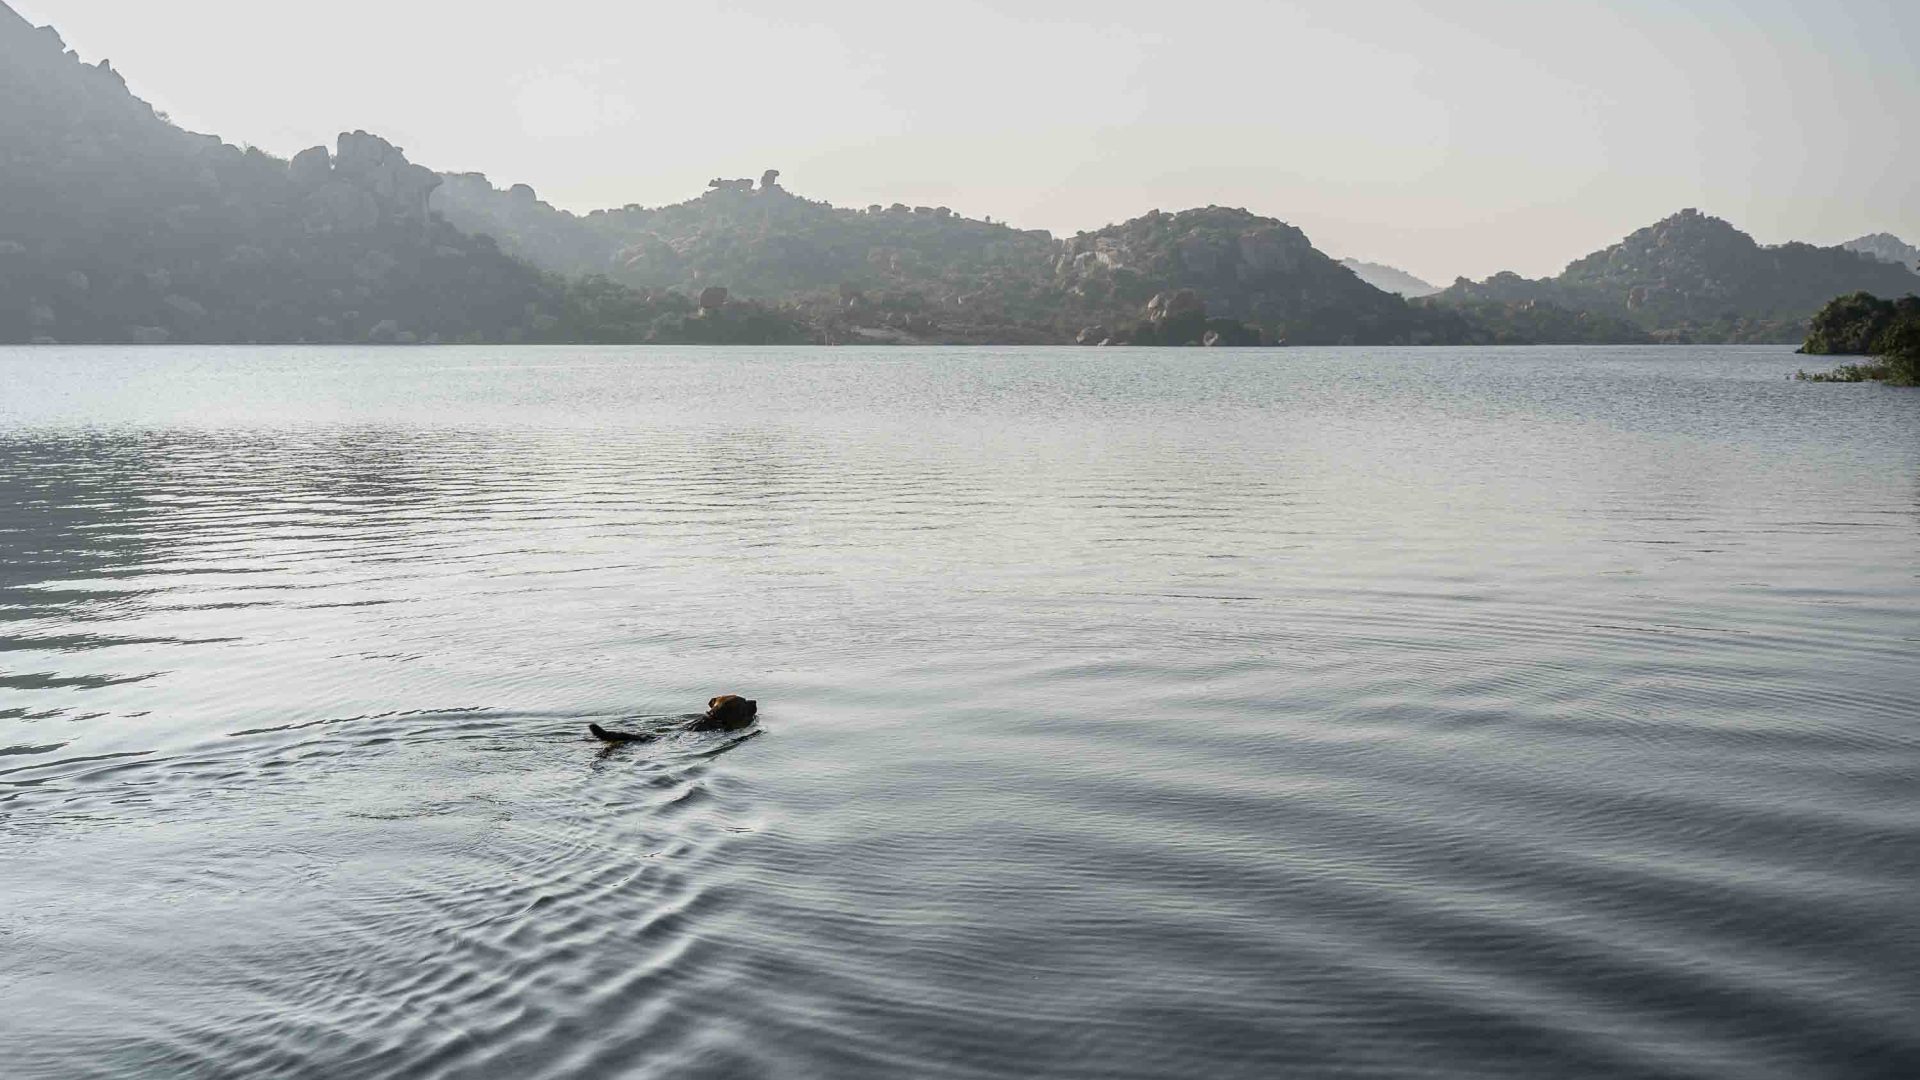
{"x": 1390, "y": 279}
{"x": 117, "y": 226}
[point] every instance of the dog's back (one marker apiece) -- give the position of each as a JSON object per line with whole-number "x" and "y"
{"x": 727, "y": 712}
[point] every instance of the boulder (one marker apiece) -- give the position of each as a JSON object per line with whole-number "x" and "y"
{"x": 310, "y": 167}
{"x": 1177, "y": 305}
{"x": 372, "y": 164}
{"x": 770, "y": 180}
{"x": 713, "y": 297}
{"x": 1223, "y": 331}
{"x": 1092, "y": 335}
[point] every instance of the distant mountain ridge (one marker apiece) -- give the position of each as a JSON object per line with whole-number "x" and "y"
{"x": 1694, "y": 277}
{"x": 928, "y": 273}
{"x": 1887, "y": 248}
{"x": 1390, "y": 279}
{"x": 116, "y": 225}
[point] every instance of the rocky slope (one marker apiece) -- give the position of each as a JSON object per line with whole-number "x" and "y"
{"x": 1245, "y": 267}
{"x": 1693, "y": 277}
{"x": 1887, "y": 248}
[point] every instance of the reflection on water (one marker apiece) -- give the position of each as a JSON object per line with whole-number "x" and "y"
{"x": 1429, "y": 713}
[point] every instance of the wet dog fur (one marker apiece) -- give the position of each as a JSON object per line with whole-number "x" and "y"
{"x": 728, "y": 712}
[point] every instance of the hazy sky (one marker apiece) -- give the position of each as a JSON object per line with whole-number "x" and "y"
{"x": 1446, "y": 138}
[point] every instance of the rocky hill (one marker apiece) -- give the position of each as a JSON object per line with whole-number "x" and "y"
{"x": 921, "y": 273}
{"x": 1253, "y": 269}
{"x": 117, "y": 226}
{"x": 1693, "y": 277}
{"x": 1390, "y": 279}
{"x": 1887, "y": 248}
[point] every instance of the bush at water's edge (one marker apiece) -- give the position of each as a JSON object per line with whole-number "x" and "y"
{"x": 1861, "y": 324}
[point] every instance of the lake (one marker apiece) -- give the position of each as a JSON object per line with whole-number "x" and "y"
{"x": 1372, "y": 713}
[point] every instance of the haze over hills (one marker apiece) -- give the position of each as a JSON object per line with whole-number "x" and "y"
{"x": 1390, "y": 279}
{"x": 1887, "y": 248}
{"x": 1693, "y": 277}
{"x": 928, "y": 273}
{"x": 120, "y": 226}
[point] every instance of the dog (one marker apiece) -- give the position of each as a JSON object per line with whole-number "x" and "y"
{"x": 728, "y": 712}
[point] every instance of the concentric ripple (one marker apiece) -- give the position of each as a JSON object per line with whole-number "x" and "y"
{"x": 1531, "y": 713}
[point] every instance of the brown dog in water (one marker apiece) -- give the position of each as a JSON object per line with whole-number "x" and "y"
{"x": 728, "y": 712}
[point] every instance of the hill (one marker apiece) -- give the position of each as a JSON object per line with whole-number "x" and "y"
{"x": 1390, "y": 279}
{"x": 1887, "y": 248}
{"x": 929, "y": 274}
{"x": 1693, "y": 277}
{"x": 118, "y": 226}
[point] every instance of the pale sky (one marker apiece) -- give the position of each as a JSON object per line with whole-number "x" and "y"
{"x": 1450, "y": 138}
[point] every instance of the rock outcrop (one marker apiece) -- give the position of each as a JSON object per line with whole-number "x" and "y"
{"x": 310, "y": 167}
{"x": 368, "y": 184}
{"x": 377, "y": 166}
{"x": 1887, "y": 248}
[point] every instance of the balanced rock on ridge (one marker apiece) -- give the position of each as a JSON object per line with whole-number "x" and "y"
{"x": 376, "y": 165}
{"x": 310, "y": 167}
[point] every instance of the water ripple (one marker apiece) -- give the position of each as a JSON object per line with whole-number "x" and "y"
{"x": 1321, "y": 713}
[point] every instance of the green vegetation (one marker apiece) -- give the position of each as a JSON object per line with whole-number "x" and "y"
{"x": 1861, "y": 324}
{"x": 1538, "y": 322}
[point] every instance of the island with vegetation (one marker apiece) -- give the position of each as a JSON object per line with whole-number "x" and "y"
{"x": 1887, "y": 332}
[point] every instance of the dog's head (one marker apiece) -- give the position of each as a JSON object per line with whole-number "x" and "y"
{"x": 732, "y": 708}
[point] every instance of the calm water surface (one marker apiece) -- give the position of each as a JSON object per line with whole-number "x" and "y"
{"x": 1522, "y": 713}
